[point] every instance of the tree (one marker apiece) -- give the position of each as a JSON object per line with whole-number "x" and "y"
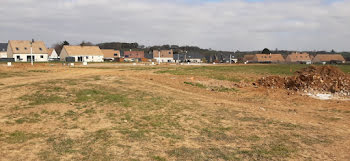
{"x": 266, "y": 51}
{"x": 58, "y": 46}
{"x": 87, "y": 43}
{"x": 333, "y": 52}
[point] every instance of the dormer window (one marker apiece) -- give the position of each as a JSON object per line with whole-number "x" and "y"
{"x": 40, "y": 49}
{"x": 17, "y": 49}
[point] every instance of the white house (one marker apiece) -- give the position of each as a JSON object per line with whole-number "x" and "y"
{"x": 82, "y": 53}
{"x": 52, "y": 54}
{"x": 20, "y": 50}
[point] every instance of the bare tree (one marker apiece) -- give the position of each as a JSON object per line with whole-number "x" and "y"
{"x": 58, "y": 46}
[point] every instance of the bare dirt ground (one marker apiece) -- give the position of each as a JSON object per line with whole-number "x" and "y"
{"x": 122, "y": 112}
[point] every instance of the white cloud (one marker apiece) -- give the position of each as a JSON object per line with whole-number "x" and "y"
{"x": 226, "y": 25}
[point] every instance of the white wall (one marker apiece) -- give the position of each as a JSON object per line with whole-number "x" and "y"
{"x": 165, "y": 60}
{"x": 54, "y": 55}
{"x": 3, "y": 54}
{"x": 90, "y": 58}
{"x": 37, "y": 57}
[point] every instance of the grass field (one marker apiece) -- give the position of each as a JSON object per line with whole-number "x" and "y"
{"x": 121, "y": 112}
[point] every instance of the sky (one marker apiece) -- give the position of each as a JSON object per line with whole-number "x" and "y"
{"x": 218, "y": 24}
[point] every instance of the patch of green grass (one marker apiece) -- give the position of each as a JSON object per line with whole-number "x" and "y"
{"x": 100, "y": 96}
{"x": 9, "y": 74}
{"x": 39, "y": 71}
{"x": 31, "y": 118}
{"x": 20, "y": 137}
{"x": 158, "y": 158}
{"x": 217, "y": 134}
{"x": 195, "y": 84}
{"x": 134, "y": 134}
{"x": 62, "y": 145}
{"x": 40, "y": 99}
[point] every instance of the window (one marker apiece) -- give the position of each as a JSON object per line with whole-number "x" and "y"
{"x": 169, "y": 52}
{"x": 87, "y": 57}
{"x": 18, "y": 57}
{"x": 41, "y": 56}
{"x": 17, "y": 49}
{"x": 116, "y": 54}
{"x": 301, "y": 56}
{"x": 40, "y": 49}
{"x": 25, "y": 48}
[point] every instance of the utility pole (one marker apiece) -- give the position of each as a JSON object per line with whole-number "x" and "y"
{"x": 31, "y": 52}
{"x": 178, "y": 58}
{"x": 159, "y": 56}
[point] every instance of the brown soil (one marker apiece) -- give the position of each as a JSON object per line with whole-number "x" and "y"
{"x": 313, "y": 78}
{"x": 167, "y": 120}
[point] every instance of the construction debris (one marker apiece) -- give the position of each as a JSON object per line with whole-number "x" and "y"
{"x": 313, "y": 79}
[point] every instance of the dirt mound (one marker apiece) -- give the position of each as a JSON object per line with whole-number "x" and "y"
{"x": 313, "y": 78}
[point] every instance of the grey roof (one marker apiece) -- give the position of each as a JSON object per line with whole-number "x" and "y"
{"x": 189, "y": 55}
{"x": 3, "y": 47}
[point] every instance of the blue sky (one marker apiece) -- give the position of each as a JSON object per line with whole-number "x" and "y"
{"x": 217, "y": 24}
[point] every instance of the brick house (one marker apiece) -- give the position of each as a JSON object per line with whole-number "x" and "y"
{"x": 134, "y": 56}
{"x": 111, "y": 54}
{"x": 165, "y": 56}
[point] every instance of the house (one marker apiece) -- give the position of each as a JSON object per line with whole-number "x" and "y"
{"x": 134, "y": 56}
{"x": 111, "y": 54}
{"x": 53, "y": 54}
{"x": 82, "y": 53}
{"x": 163, "y": 56}
{"x": 248, "y": 58}
{"x": 20, "y": 50}
{"x": 3, "y": 50}
{"x": 299, "y": 58}
{"x": 192, "y": 57}
{"x": 328, "y": 58}
{"x": 268, "y": 58}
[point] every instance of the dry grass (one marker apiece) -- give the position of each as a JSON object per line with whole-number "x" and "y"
{"x": 139, "y": 113}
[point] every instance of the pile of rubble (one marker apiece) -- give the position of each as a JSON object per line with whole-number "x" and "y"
{"x": 321, "y": 79}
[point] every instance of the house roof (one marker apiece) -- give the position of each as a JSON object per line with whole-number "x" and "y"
{"x": 328, "y": 57}
{"x": 50, "y": 50}
{"x": 23, "y": 47}
{"x": 269, "y": 57}
{"x": 298, "y": 57}
{"x": 3, "y": 47}
{"x": 83, "y": 50}
{"x": 189, "y": 55}
{"x": 109, "y": 53}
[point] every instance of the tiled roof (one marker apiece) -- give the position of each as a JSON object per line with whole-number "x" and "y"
{"x": 83, "y": 50}
{"x": 298, "y": 57}
{"x": 23, "y": 47}
{"x": 269, "y": 58}
{"x": 328, "y": 57}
